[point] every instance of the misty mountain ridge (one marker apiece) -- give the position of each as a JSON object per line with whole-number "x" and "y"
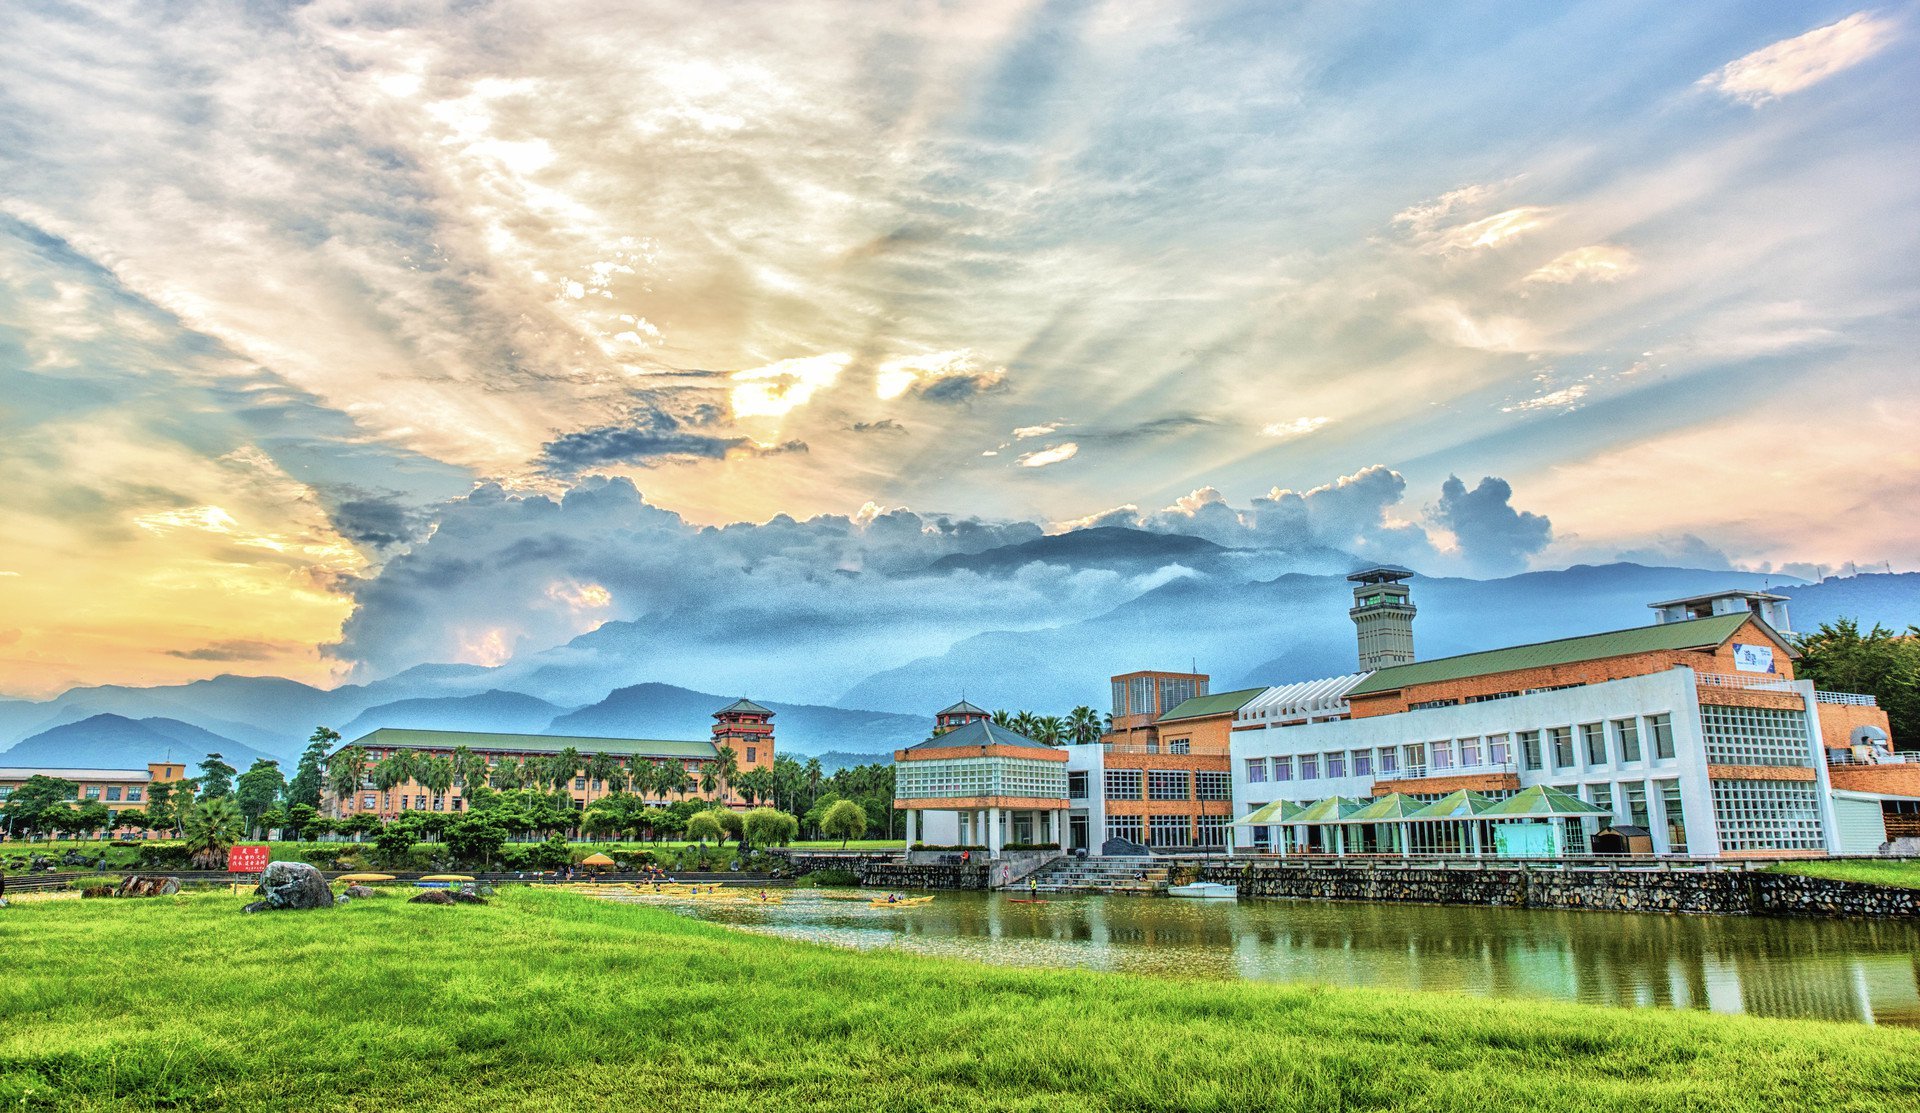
{"x": 117, "y": 742}
{"x": 1243, "y": 632}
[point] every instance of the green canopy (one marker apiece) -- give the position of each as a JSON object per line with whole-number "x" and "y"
{"x": 1280, "y": 811}
{"x": 1392, "y": 806}
{"x": 1331, "y": 810}
{"x": 1455, "y": 805}
{"x": 1541, "y": 802}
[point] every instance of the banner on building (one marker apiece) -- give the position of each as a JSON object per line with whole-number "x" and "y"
{"x": 1752, "y": 658}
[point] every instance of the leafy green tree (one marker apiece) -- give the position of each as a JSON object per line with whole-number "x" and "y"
{"x": 394, "y": 840}
{"x": 216, "y": 777}
{"x": 274, "y": 817}
{"x": 301, "y": 820}
{"x": 844, "y": 820}
{"x": 1083, "y": 725}
{"x": 39, "y": 803}
{"x": 133, "y": 819}
{"x": 475, "y": 838}
{"x": 394, "y": 770}
{"x": 309, "y": 776}
{"x": 469, "y": 772}
{"x": 257, "y": 790}
{"x": 562, "y": 768}
{"x": 92, "y": 817}
{"x": 1880, "y": 663}
{"x": 703, "y": 826}
{"x": 769, "y": 827}
{"x": 209, "y": 830}
{"x": 709, "y": 780}
{"x": 160, "y": 807}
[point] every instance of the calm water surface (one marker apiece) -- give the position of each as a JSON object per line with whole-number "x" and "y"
{"x": 1833, "y": 970}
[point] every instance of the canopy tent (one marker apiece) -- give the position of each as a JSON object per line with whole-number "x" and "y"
{"x": 596, "y": 859}
{"x": 1392, "y": 806}
{"x": 1450, "y": 824}
{"x": 1542, "y": 802}
{"x": 1331, "y": 810}
{"x": 1455, "y": 805}
{"x": 1280, "y": 811}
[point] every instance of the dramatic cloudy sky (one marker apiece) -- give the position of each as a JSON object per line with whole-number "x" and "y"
{"x": 284, "y": 289}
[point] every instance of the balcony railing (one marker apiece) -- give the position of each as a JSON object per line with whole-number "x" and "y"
{"x": 1762, "y": 682}
{"x": 1850, "y": 699}
{"x": 1844, "y": 757}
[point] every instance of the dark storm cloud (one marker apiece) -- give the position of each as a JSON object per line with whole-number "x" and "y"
{"x": 652, "y": 435}
{"x": 884, "y": 425}
{"x": 237, "y": 650}
{"x": 1492, "y": 535}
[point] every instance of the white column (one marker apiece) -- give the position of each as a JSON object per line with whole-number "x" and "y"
{"x": 993, "y": 833}
{"x": 913, "y": 827}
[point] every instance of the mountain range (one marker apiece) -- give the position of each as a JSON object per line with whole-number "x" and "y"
{"x": 1196, "y": 604}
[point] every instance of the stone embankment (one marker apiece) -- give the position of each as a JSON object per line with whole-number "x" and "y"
{"x": 882, "y": 870}
{"x": 1723, "y": 892}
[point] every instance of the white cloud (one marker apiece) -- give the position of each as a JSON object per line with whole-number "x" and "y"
{"x": 1298, "y": 427}
{"x": 1489, "y": 231}
{"x": 1794, "y": 64}
{"x": 1026, "y": 431}
{"x": 1601, "y": 262}
{"x": 1050, "y": 455}
{"x": 1564, "y": 398}
{"x": 943, "y": 376}
{"x": 777, "y": 388}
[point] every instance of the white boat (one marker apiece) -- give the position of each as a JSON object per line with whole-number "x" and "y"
{"x": 1205, "y": 890}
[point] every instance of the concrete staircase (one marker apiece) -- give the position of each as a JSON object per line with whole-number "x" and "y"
{"x": 1135, "y": 876}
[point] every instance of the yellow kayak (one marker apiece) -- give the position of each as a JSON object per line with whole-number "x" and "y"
{"x": 909, "y": 902}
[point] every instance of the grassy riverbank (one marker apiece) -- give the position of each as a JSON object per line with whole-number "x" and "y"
{"x": 546, "y": 1000}
{"x": 1904, "y": 874}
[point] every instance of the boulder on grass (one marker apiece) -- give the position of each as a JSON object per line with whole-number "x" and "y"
{"x": 466, "y": 894}
{"x": 291, "y": 885}
{"x": 357, "y": 892}
{"x": 136, "y": 885}
{"x": 433, "y": 896}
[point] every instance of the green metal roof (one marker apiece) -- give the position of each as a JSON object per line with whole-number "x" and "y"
{"x": 743, "y": 704}
{"x": 1280, "y": 811}
{"x": 1455, "y": 805}
{"x": 1329, "y": 810}
{"x": 1542, "y": 801}
{"x": 1394, "y": 805}
{"x": 1590, "y": 647}
{"x": 1220, "y": 703}
{"x": 388, "y": 738}
{"x": 980, "y": 732}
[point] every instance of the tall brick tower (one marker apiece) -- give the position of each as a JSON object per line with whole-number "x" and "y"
{"x": 748, "y": 728}
{"x": 1382, "y": 616}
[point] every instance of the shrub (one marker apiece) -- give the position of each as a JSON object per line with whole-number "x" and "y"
{"x": 163, "y": 856}
{"x": 554, "y": 854}
{"x": 827, "y": 879}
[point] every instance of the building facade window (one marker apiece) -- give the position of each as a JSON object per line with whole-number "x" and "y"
{"x": 1213, "y": 786}
{"x": 1626, "y": 735}
{"x": 1180, "y": 746}
{"x": 1499, "y": 752}
{"x": 366, "y": 803}
{"x": 1122, "y": 784}
{"x": 113, "y": 794}
{"x": 1469, "y": 753}
{"x": 1337, "y": 764}
{"x": 1602, "y": 797}
{"x": 1169, "y": 784}
{"x": 1363, "y": 763}
{"x": 1440, "y": 755}
{"x": 93, "y": 792}
{"x": 1309, "y": 767}
{"x": 135, "y": 794}
{"x": 1389, "y": 760}
{"x": 1560, "y": 741}
{"x": 1660, "y": 730}
{"x": 1169, "y": 830}
{"x": 1125, "y": 827}
{"x": 1636, "y": 801}
{"x": 1593, "y": 738}
{"x": 1754, "y": 735}
{"x": 1283, "y": 768}
{"x": 1674, "y": 814}
{"x": 1530, "y": 749}
{"x": 1256, "y": 770}
{"x": 1767, "y": 815}
{"x": 1211, "y": 831}
{"x": 1077, "y": 785}
{"x": 753, "y": 755}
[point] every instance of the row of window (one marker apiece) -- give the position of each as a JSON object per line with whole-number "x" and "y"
{"x": 920, "y": 780}
{"x": 1754, "y": 735}
{"x": 1767, "y": 815}
{"x": 1206, "y": 831}
{"x": 1166, "y": 784}
{"x": 1597, "y": 744}
{"x": 134, "y": 793}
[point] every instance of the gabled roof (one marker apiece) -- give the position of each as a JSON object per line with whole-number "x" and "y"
{"x": 745, "y": 705}
{"x": 1220, "y": 703}
{"x": 388, "y": 738}
{"x": 1330, "y": 810}
{"x": 1455, "y": 805}
{"x": 1394, "y": 805}
{"x": 1280, "y": 811}
{"x": 1541, "y": 802}
{"x": 980, "y": 732}
{"x": 1700, "y": 633}
{"x": 962, "y": 708}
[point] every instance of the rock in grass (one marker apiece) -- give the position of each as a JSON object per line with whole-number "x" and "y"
{"x": 138, "y": 886}
{"x": 465, "y": 895}
{"x": 291, "y": 885}
{"x": 357, "y": 892}
{"x": 433, "y": 896}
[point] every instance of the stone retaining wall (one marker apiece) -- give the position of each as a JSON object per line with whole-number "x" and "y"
{"x": 1724, "y": 892}
{"x": 901, "y": 875}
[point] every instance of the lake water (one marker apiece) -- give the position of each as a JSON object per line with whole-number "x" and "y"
{"x": 1859, "y": 971}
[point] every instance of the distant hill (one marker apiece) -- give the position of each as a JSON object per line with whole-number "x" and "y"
{"x": 666, "y": 711}
{"x": 491, "y": 710}
{"x": 1890, "y": 600}
{"x": 117, "y": 742}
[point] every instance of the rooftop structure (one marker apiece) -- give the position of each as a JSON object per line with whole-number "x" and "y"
{"x": 1765, "y": 606}
{"x": 1382, "y": 616}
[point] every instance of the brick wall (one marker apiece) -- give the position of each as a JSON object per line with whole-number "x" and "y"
{"x": 1838, "y": 720}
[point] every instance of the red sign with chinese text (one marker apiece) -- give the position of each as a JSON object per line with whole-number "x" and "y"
{"x": 248, "y": 859}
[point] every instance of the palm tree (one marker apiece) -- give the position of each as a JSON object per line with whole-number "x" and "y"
{"x": 1027, "y": 723}
{"x": 209, "y": 829}
{"x": 563, "y": 767}
{"x": 729, "y": 769}
{"x": 507, "y": 774}
{"x": 678, "y": 780}
{"x": 814, "y": 776}
{"x": 393, "y": 771}
{"x": 346, "y": 770}
{"x": 435, "y": 774}
{"x": 619, "y": 779}
{"x": 1050, "y": 729}
{"x": 601, "y": 768}
{"x": 1083, "y": 725}
{"x": 469, "y": 770}
{"x": 709, "y": 781}
{"x": 1002, "y": 719}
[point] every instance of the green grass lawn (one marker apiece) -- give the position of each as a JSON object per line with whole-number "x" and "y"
{"x": 547, "y": 1000}
{"x": 1904, "y": 874}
